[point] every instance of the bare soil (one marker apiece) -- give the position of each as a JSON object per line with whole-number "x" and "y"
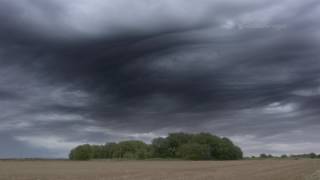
{"x": 161, "y": 170}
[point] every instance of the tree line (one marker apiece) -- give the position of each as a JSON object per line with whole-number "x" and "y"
{"x": 292, "y": 156}
{"x": 200, "y": 146}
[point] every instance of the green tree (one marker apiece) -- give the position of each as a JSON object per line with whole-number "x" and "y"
{"x": 82, "y": 152}
{"x": 134, "y": 150}
{"x": 199, "y": 146}
{"x": 175, "y": 140}
{"x": 194, "y": 151}
{"x": 160, "y": 148}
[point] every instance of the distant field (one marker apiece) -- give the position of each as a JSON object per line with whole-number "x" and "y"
{"x": 161, "y": 170}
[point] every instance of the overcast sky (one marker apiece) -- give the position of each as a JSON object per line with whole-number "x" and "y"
{"x": 79, "y": 71}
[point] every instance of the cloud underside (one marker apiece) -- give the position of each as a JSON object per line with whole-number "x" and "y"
{"x": 91, "y": 72}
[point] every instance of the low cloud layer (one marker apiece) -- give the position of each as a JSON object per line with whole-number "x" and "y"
{"x": 91, "y": 72}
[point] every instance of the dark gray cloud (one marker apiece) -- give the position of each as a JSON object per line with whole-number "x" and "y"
{"x": 76, "y": 72}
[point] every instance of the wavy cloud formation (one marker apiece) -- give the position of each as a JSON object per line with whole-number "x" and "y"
{"x": 96, "y": 71}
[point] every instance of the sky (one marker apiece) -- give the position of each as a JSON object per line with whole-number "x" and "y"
{"x": 77, "y": 71}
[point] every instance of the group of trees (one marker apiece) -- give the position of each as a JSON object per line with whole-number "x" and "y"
{"x": 264, "y": 156}
{"x": 310, "y": 155}
{"x": 295, "y": 156}
{"x": 122, "y": 150}
{"x": 201, "y": 146}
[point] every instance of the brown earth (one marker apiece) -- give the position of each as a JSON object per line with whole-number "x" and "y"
{"x": 161, "y": 170}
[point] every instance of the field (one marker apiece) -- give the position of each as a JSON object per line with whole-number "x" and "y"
{"x": 161, "y": 170}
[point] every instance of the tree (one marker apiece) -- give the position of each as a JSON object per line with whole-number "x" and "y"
{"x": 213, "y": 143}
{"x": 160, "y": 148}
{"x": 263, "y": 156}
{"x": 194, "y": 151}
{"x": 312, "y": 155}
{"x": 199, "y": 146}
{"x": 225, "y": 151}
{"x": 82, "y": 152}
{"x": 175, "y": 140}
{"x": 134, "y": 150}
{"x": 97, "y": 151}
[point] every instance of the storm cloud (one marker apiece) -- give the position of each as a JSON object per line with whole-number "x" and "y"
{"x": 91, "y": 72}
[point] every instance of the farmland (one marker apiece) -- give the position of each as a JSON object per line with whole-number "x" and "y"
{"x": 303, "y": 169}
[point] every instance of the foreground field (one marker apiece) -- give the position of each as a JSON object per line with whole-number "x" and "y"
{"x": 161, "y": 170}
